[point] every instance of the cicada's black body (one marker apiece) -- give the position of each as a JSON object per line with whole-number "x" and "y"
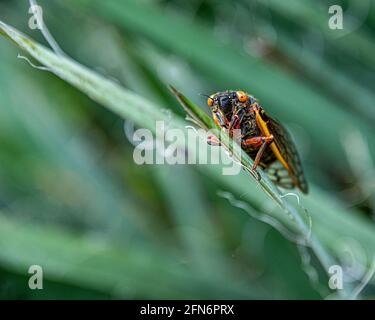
{"x": 263, "y": 138}
{"x": 249, "y": 129}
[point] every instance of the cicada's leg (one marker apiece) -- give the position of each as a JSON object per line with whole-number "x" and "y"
{"x": 236, "y": 119}
{"x": 219, "y": 120}
{"x": 212, "y": 140}
{"x": 262, "y": 143}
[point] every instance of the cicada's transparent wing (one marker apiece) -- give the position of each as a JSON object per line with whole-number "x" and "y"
{"x": 279, "y": 175}
{"x": 288, "y": 151}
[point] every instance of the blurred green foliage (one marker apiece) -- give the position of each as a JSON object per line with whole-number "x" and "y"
{"x": 73, "y": 201}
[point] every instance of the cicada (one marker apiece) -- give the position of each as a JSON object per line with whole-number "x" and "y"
{"x": 263, "y": 138}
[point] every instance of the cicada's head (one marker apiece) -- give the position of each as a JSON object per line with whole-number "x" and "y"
{"x": 226, "y": 103}
{"x": 226, "y": 100}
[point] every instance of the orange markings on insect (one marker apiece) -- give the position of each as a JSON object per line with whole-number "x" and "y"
{"x": 263, "y": 138}
{"x": 210, "y": 101}
{"x": 263, "y": 127}
{"x": 242, "y": 96}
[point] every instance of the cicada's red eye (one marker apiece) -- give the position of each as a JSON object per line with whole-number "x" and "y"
{"x": 210, "y": 101}
{"x": 242, "y": 96}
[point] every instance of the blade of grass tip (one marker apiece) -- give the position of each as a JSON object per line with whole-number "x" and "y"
{"x": 311, "y": 241}
{"x": 196, "y": 113}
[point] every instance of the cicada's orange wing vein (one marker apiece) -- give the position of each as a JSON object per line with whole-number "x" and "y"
{"x": 288, "y": 151}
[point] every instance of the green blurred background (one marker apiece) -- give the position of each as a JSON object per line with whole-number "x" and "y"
{"x": 73, "y": 201}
